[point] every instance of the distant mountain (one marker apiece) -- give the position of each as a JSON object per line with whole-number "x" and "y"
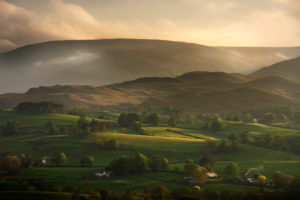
{"x": 264, "y": 56}
{"x": 288, "y": 69}
{"x": 192, "y": 92}
{"x": 102, "y": 62}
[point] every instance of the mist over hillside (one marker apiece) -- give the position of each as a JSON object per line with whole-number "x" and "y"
{"x": 102, "y": 62}
{"x": 289, "y": 69}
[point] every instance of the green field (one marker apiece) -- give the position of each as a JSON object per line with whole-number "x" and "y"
{"x": 176, "y": 144}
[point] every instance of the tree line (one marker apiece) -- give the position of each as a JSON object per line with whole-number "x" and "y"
{"x": 40, "y": 107}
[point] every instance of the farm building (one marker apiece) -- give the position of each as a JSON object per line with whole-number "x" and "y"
{"x": 211, "y": 175}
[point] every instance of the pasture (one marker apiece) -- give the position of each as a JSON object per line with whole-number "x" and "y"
{"x": 177, "y": 144}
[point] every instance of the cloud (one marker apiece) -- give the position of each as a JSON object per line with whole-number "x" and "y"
{"x": 213, "y": 22}
{"x": 77, "y": 58}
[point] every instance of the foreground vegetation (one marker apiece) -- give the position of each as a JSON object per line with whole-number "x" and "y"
{"x": 61, "y": 153}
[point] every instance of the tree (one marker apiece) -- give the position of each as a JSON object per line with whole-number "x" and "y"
{"x": 232, "y": 170}
{"x": 282, "y": 180}
{"x": 160, "y": 193}
{"x": 58, "y": 158}
{"x": 172, "y": 121}
{"x": 86, "y": 131}
{"x": 199, "y": 175}
{"x": 158, "y": 163}
{"x": 40, "y": 107}
{"x": 233, "y": 137}
{"x": 236, "y": 145}
{"x": 122, "y": 166}
{"x": 74, "y": 129}
{"x": 207, "y": 162}
{"x": 127, "y": 120}
{"x": 51, "y": 127}
{"x": 189, "y": 168}
{"x": 261, "y": 180}
{"x": 224, "y": 145}
{"x": 269, "y": 118}
{"x": 295, "y": 183}
{"x": 12, "y": 127}
{"x": 11, "y": 163}
{"x": 141, "y": 163}
{"x": 283, "y": 118}
{"x": 233, "y": 117}
{"x": 112, "y": 144}
{"x": 137, "y": 126}
{"x": 83, "y": 122}
{"x": 246, "y": 138}
{"x": 218, "y": 125}
{"x": 153, "y": 119}
{"x": 25, "y": 160}
{"x": 87, "y": 160}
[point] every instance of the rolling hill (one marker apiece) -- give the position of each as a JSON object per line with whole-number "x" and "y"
{"x": 103, "y": 62}
{"x": 192, "y": 92}
{"x": 289, "y": 69}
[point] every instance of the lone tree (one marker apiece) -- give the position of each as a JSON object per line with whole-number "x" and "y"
{"x": 10, "y": 163}
{"x": 282, "y": 180}
{"x": 232, "y": 170}
{"x": 153, "y": 119}
{"x": 197, "y": 172}
{"x": 58, "y": 158}
{"x": 87, "y": 160}
{"x": 199, "y": 175}
{"x": 218, "y": 125}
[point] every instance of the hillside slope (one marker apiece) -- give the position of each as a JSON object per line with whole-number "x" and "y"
{"x": 192, "y": 92}
{"x": 102, "y": 62}
{"x": 99, "y": 62}
{"x": 288, "y": 69}
{"x": 264, "y": 56}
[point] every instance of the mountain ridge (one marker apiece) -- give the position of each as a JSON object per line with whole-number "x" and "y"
{"x": 184, "y": 92}
{"x": 104, "y": 62}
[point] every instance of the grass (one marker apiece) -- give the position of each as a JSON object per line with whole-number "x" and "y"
{"x": 77, "y": 177}
{"x": 240, "y": 127}
{"x": 176, "y": 144}
{"x": 30, "y": 120}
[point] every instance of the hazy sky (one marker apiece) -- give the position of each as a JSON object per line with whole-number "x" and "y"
{"x": 209, "y": 22}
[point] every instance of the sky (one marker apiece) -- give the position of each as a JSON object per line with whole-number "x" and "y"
{"x": 207, "y": 22}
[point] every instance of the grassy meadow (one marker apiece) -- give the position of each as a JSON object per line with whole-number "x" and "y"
{"x": 177, "y": 144}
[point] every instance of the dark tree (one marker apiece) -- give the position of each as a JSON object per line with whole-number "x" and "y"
{"x": 232, "y": 170}
{"x": 40, "y": 107}
{"x": 207, "y": 162}
{"x": 282, "y": 180}
{"x": 153, "y": 119}
{"x": 58, "y": 158}
{"x": 11, "y": 163}
{"x": 87, "y": 160}
{"x": 158, "y": 163}
{"x": 218, "y": 125}
{"x": 12, "y": 127}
